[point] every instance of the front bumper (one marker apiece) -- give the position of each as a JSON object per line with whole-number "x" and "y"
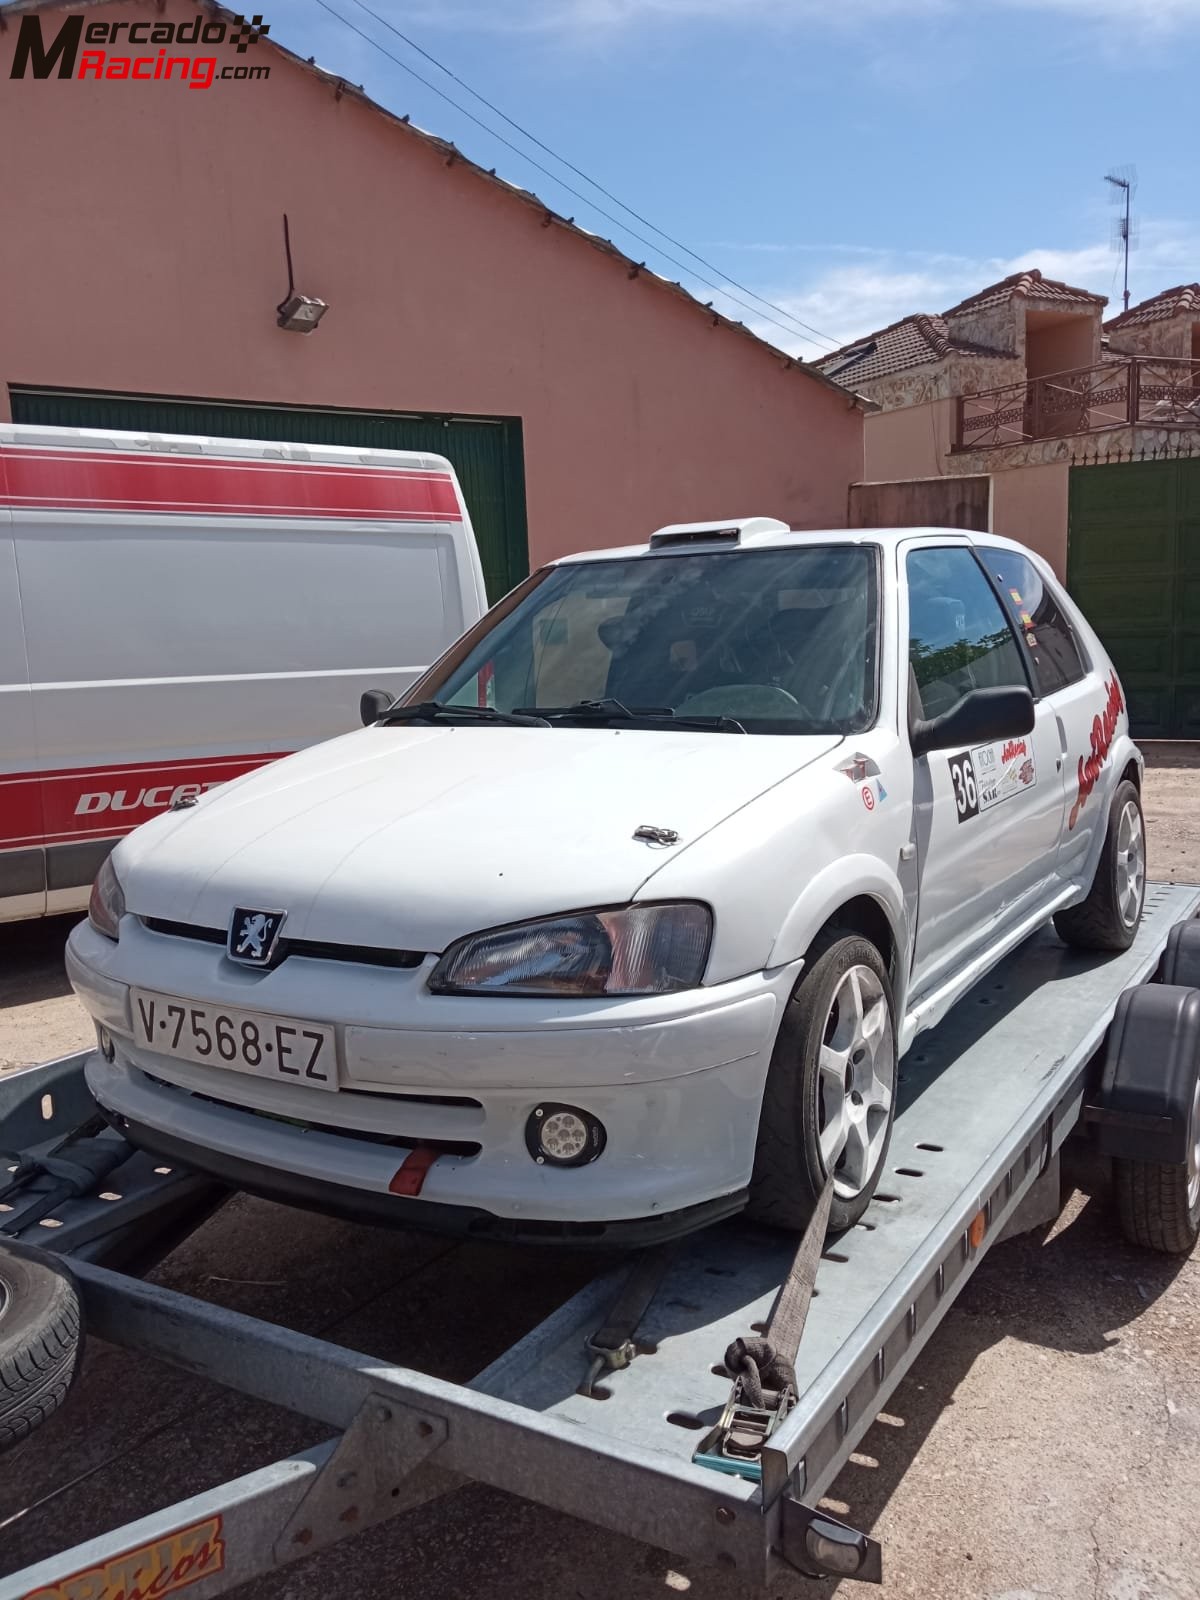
{"x": 676, "y": 1080}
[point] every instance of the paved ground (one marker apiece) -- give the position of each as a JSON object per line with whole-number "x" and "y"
{"x": 1046, "y": 1445}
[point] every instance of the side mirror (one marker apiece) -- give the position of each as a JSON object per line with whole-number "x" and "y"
{"x": 373, "y": 704}
{"x": 980, "y": 717}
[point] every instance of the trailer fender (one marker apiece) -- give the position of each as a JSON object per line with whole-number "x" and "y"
{"x": 1181, "y": 958}
{"x": 1141, "y": 1110}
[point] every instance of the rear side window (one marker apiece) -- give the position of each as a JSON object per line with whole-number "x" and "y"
{"x": 1034, "y": 608}
{"x": 959, "y": 638}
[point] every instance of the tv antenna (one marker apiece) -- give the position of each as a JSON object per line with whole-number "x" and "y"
{"x": 1124, "y": 186}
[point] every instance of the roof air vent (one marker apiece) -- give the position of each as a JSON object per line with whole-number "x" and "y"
{"x": 715, "y": 533}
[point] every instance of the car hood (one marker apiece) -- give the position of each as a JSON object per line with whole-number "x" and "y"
{"x": 410, "y": 837}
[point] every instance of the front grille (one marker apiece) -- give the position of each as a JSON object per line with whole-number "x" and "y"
{"x": 447, "y": 1147}
{"x": 363, "y": 954}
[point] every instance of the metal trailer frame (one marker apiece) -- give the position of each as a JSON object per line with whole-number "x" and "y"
{"x": 987, "y": 1100}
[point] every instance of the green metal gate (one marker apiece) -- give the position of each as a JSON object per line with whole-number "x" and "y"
{"x": 486, "y": 452}
{"x": 1133, "y": 563}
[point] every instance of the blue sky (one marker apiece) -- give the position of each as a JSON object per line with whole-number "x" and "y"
{"x": 850, "y": 161}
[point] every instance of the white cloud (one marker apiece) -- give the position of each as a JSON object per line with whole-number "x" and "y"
{"x": 857, "y": 291}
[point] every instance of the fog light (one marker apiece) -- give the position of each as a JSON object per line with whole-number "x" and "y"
{"x": 105, "y": 1041}
{"x": 564, "y": 1136}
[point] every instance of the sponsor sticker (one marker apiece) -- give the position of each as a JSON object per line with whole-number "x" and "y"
{"x": 991, "y": 773}
{"x": 868, "y": 797}
{"x": 150, "y": 1572}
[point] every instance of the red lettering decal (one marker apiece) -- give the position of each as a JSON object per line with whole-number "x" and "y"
{"x": 151, "y": 1571}
{"x": 91, "y": 61}
{"x": 60, "y": 806}
{"x": 1104, "y": 728}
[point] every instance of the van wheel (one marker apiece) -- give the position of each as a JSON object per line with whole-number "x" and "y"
{"x": 1108, "y": 919}
{"x": 830, "y": 1096}
{"x": 40, "y": 1338}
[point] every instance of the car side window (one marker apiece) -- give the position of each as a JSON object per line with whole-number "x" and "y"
{"x": 1035, "y": 611}
{"x": 958, "y": 636}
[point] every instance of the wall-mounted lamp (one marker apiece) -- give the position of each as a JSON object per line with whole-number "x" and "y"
{"x": 298, "y": 313}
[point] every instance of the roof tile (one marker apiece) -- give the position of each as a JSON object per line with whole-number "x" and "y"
{"x": 914, "y": 341}
{"x": 1033, "y": 285}
{"x": 1181, "y": 301}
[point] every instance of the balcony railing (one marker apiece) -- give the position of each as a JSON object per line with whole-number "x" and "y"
{"x": 1154, "y": 391}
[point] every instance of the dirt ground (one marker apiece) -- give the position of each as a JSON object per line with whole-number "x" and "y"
{"x": 1046, "y": 1444}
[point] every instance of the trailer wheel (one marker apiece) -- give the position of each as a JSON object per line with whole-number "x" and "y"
{"x": 830, "y": 1095}
{"x": 1108, "y": 919}
{"x": 41, "y": 1328}
{"x": 1158, "y": 1202}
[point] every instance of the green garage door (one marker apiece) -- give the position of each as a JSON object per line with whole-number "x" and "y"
{"x": 486, "y": 451}
{"x": 1133, "y": 563}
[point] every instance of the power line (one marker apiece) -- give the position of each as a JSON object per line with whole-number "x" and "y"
{"x": 554, "y": 178}
{"x": 592, "y": 182}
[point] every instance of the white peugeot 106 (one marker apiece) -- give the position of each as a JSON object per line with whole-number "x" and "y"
{"x": 622, "y": 918}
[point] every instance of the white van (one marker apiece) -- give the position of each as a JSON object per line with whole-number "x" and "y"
{"x": 177, "y": 611}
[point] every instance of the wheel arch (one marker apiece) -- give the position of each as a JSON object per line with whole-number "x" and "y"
{"x": 855, "y": 893}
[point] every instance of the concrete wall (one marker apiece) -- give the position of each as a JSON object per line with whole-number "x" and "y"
{"x": 141, "y": 251}
{"x": 922, "y": 503}
{"x": 1030, "y": 505}
{"x": 910, "y": 442}
{"x": 1061, "y": 344}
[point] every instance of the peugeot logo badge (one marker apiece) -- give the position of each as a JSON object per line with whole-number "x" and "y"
{"x": 254, "y": 935}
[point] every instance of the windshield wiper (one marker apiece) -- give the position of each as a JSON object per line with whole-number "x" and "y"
{"x": 430, "y": 710}
{"x": 596, "y": 708}
{"x": 615, "y": 710}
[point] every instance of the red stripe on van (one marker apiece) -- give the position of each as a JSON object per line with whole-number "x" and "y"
{"x": 59, "y": 807}
{"x": 98, "y": 480}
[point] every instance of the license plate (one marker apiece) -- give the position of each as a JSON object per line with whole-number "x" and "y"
{"x": 245, "y": 1041}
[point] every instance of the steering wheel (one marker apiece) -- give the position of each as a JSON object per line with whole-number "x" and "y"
{"x": 741, "y": 700}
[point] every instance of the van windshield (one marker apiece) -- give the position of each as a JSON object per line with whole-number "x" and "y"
{"x": 776, "y": 641}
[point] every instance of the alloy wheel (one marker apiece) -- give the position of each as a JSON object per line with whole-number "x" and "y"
{"x": 856, "y": 1081}
{"x": 1130, "y": 862}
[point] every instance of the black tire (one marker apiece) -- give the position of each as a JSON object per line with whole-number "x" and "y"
{"x": 789, "y": 1173}
{"x": 1154, "y": 1208}
{"x": 41, "y": 1331}
{"x": 1158, "y": 1203}
{"x": 1097, "y": 923}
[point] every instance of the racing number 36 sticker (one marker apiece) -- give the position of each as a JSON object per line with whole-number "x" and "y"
{"x": 966, "y": 789}
{"x": 989, "y": 774}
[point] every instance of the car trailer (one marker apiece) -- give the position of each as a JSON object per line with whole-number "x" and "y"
{"x": 1052, "y": 1042}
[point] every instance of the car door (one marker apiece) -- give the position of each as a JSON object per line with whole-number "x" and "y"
{"x": 1081, "y": 696}
{"x": 987, "y": 819}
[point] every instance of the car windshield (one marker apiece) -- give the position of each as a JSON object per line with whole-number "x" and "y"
{"x": 766, "y": 641}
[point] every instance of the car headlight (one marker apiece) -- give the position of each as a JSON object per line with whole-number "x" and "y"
{"x": 107, "y": 905}
{"x": 641, "y": 949}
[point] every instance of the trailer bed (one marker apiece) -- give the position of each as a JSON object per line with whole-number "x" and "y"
{"x": 992, "y": 1091}
{"x": 986, "y": 1100}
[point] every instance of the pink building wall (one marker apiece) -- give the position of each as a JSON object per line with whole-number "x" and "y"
{"x": 1029, "y": 504}
{"x": 142, "y": 252}
{"x": 910, "y": 441}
